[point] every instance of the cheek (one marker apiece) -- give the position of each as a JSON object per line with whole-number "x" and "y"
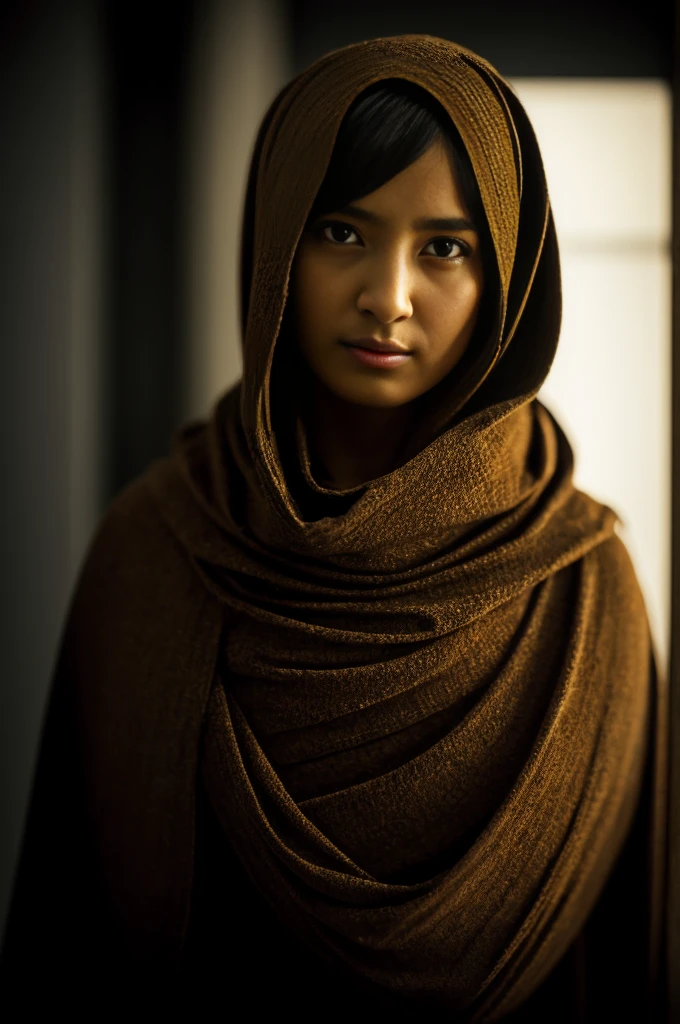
{"x": 470, "y": 300}
{"x": 317, "y": 293}
{"x": 455, "y": 308}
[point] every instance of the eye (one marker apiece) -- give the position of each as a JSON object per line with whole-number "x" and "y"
{"x": 447, "y": 248}
{"x": 339, "y": 233}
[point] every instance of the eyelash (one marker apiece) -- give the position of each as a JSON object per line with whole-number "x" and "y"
{"x": 465, "y": 249}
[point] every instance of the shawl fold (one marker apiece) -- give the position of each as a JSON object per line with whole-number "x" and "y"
{"x": 423, "y": 710}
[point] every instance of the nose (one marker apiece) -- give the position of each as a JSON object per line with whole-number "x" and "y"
{"x": 386, "y": 290}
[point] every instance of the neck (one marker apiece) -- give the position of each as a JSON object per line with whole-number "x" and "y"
{"x": 355, "y": 443}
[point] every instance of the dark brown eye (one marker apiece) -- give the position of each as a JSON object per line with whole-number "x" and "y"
{"x": 446, "y": 248}
{"x": 339, "y": 233}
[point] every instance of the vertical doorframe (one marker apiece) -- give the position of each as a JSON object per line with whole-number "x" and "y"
{"x": 673, "y": 905}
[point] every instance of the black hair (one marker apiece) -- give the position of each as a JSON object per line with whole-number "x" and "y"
{"x": 385, "y": 130}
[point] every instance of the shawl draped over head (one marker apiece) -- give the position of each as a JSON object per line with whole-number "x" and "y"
{"x": 423, "y": 708}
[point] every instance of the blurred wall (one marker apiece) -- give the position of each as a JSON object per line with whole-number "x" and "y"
{"x": 541, "y": 38}
{"x": 52, "y": 424}
{"x": 239, "y": 61}
{"x": 146, "y": 52}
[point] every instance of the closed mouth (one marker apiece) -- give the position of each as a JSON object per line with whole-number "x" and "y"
{"x": 376, "y": 345}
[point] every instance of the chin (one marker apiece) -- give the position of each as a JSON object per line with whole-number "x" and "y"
{"x": 376, "y": 397}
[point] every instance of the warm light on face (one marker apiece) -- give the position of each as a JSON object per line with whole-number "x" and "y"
{"x": 401, "y": 264}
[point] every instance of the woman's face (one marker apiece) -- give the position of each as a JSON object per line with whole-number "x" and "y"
{"x": 400, "y": 265}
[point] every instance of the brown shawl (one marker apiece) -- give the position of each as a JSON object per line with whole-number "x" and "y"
{"x": 428, "y": 702}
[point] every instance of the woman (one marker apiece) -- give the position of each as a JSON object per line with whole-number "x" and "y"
{"x": 356, "y": 709}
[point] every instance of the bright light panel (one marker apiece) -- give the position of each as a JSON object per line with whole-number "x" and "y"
{"x": 606, "y": 150}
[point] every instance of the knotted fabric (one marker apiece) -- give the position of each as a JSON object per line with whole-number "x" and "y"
{"x": 427, "y": 730}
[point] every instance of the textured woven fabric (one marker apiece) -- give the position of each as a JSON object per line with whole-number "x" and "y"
{"x": 422, "y": 708}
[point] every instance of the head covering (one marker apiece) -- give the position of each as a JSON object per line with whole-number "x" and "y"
{"x": 427, "y": 739}
{"x": 425, "y": 708}
{"x": 291, "y": 156}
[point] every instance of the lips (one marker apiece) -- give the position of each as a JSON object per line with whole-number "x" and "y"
{"x": 378, "y": 353}
{"x": 377, "y": 345}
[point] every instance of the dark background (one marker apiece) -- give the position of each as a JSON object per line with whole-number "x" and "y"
{"x": 129, "y": 61}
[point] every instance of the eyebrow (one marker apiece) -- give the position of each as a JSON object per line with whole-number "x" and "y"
{"x": 425, "y": 224}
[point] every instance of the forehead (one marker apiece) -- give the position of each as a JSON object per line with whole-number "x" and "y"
{"x": 427, "y": 187}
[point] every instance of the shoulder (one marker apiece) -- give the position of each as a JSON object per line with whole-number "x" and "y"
{"x": 618, "y": 611}
{"x": 138, "y": 591}
{"x": 132, "y": 538}
{"x": 618, "y": 573}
